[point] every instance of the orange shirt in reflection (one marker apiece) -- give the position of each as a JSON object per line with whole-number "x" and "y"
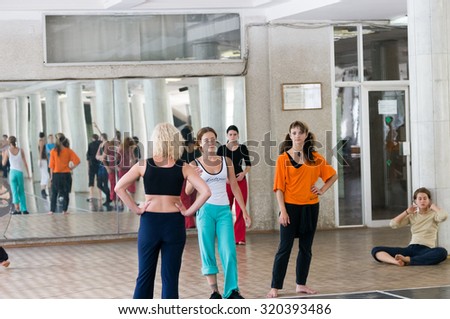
{"x": 60, "y": 163}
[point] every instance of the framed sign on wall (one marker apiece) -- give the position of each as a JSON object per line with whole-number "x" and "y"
{"x": 301, "y": 96}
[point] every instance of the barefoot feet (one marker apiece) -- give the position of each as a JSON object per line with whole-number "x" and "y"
{"x": 402, "y": 260}
{"x": 5, "y": 263}
{"x": 273, "y": 293}
{"x": 305, "y": 290}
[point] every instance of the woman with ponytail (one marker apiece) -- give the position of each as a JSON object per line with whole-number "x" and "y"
{"x": 63, "y": 161}
{"x": 297, "y": 171}
{"x": 18, "y": 166}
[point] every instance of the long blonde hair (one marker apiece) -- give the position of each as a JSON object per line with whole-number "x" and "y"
{"x": 167, "y": 141}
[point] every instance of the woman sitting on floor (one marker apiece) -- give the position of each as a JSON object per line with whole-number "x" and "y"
{"x": 424, "y": 218}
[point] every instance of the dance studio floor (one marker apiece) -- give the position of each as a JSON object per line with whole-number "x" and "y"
{"x": 342, "y": 268}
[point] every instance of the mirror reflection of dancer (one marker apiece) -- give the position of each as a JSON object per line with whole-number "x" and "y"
{"x": 424, "y": 218}
{"x": 238, "y": 153}
{"x": 43, "y": 165}
{"x": 63, "y": 161}
{"x": 297, "y": 171}
{"x": 3, "y": 257}
{"x": 161, "y": 226}
{"x": 18, "y": 164}
{"x": 214, "y": 219}
{"x": 189, "y": 154}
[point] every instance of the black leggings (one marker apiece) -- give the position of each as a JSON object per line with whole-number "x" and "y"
{"x": 3, "y": 254}
{"x": 61, "y": 186}
{"x": 303, "y": 223}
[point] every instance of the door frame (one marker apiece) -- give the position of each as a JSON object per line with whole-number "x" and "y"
{"x": 365, "y": 146}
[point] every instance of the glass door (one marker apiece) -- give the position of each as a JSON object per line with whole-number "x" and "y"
{"x": 386, "y": 157}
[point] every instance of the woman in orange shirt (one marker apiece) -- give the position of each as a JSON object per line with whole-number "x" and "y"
{"x": 297, "y": 170}
{"x": 62, "y": 162}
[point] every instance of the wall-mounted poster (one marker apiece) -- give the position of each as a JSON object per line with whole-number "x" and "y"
{"x": 301, "y": 96}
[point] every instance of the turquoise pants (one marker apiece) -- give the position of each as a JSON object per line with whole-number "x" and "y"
{"x": 17, "y": 189}
{"x": 216, "y": 221}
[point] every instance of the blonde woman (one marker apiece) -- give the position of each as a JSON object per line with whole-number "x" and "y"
{"x": 161, "y": 228}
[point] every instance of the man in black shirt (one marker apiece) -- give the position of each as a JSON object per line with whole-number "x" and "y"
{"x": 93, "y": 164}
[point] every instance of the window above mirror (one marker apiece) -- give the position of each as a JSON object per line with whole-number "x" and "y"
{"x": 95, "y": 39}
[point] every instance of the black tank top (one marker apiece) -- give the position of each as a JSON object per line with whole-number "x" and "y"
{"x": 163, "y": 180}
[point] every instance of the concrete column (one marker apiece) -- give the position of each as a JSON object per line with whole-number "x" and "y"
{"x": 66, "y": 119}
{"x": 206, "y": 50}
{"x": 157, "y": 108}
{"x": 4, "y": 125}
{"x": 104, "y": 106}
{"x": 35, "y": 129}
{"x": 94, "y": 117}
{"x": 138, "y": 121}
{"x": 122, "y": 108}
{"x": 213, "y": 105}
{"x": 52, "y": 112}
{"x": 24, "y": 143}
{"x": 12, "y": 116}
{"x": 260, "y": 199}
{"x": 194, "y": 108}
{"x": 79, "y": 139}
{"x": 22, "y": 129}
{"x": 429, "y": 63}
{"x": 239, "y": 112}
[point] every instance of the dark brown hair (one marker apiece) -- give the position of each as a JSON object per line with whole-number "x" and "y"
{"x": 422, "y": 190}
{"x": 202, "y": 132}
{"x": 12, "y": 140}
{"x": 308, "y": 146}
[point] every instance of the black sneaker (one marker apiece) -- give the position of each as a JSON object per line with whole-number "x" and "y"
{"x": 16, "y": 212}
{"x": 25, "y": 212}
{"x": 235, "y": 295}
{"x": 215, "y": 295}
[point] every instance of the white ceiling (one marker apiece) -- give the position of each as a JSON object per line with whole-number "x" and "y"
{"x": 272, "y": 9}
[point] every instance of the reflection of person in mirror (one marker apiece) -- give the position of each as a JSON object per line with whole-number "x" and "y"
{"x": 214, "y": 219}
{"x": 63, "y": 161}
{"x": 3, "y": 257}
{"x": 94, "y": 168}
{"x": 18, "y": 164}
{"x": 161, "y": 228}
{"x": 49, "y": 146}
{"x": 102, "y": 175}
{"x": 4, "y": 144}
{"x": 424, "y": 218}
{"x": 298, "y": 169}
{"x": 43, "y": 165}
{"x": 238, "y": 153}
{"x": 190, "y": 153}
{"x": 127, "y": 159}
{"x": 111, "y": 158}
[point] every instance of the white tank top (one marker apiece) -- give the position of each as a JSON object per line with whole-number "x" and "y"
{"x": 217, "y": 184}
{"x": 15, "y": 161}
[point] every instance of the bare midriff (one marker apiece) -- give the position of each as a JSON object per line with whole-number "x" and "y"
{"x": 163, "y": 203}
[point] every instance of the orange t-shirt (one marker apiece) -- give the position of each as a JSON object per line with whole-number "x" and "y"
{"x": 60, "y": 164}
{"x": 296, "y": 183}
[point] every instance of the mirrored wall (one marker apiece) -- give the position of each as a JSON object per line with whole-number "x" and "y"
{"x": 121, "y": 110}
